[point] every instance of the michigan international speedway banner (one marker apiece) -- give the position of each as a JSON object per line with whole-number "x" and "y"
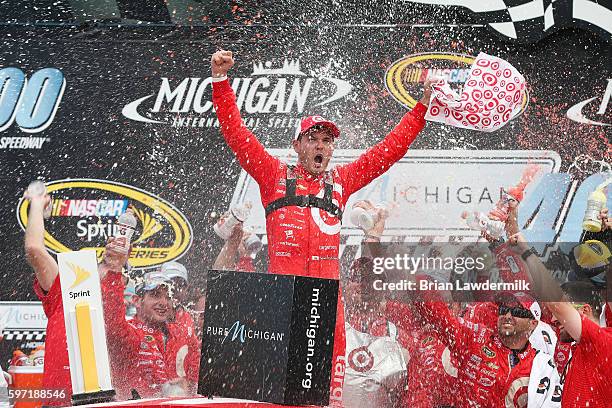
{"x": 119, "y": 116}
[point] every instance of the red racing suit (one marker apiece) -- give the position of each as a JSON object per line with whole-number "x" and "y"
{"x": 485, "y": 377}
{"x": 144, "y": 358}
{"x": 305, "y": 240}
{"x": 431, "y": 370}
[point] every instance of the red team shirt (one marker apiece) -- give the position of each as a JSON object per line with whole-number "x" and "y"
{"x": 485, "y": 377}
{"x": 588, "y": 380}
{"x": 431, "y": 370}
{"x": 143, "y": 358}
{"x": 56, "y": 375}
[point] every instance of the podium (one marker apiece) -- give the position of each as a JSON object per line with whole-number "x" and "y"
{"x": 268, "y": 337}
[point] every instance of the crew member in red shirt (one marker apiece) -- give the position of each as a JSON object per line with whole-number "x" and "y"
{"x": 493, "y": 367}
{"x": 304, "y": 203}
{"x": 56, "y": 374}
{"x": 182, "y": 322}
{"x": 150, "y": 354}
{"x": 586, "y": 377}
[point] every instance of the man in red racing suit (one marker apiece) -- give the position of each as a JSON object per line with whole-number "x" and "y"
{"x": 304, "y": 203}
{"x": 148, "y": 353}
{"x": 493, "y": 366}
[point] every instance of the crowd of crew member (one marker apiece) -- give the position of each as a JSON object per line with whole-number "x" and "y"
{"x": 435, "y": 352}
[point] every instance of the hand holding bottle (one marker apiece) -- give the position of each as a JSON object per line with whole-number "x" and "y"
{"x": 370, "y": 218}
{"x": 37, "y": 194}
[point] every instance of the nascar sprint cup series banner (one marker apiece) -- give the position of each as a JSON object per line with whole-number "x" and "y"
{"x": 115, "y": 120}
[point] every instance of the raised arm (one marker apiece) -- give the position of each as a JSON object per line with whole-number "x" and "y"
{"x": 432, "y": 309}
{"x": 228, "y": 256}
{"x": 249, "y": 151}
{"x": 379, "y": 158}
{"x": 546, "y": 288}
{"x": 118, "y": 330}
{"x": 44, "y": 265}
{"x": 435, "y": 311}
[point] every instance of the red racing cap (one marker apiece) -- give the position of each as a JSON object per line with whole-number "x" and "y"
{"x": 310, "y": 121}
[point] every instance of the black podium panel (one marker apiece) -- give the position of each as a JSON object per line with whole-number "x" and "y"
{"x": 268, "y": 337}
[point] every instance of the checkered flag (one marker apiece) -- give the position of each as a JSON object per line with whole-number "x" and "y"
{"x": 531, "y": 20}
{"x": 24, "y": 335}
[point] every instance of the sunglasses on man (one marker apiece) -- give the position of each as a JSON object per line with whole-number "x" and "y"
{"x": 515, "y": 312}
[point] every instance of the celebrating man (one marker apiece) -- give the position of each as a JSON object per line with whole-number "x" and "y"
{"x": 149, "y": 354}
{"x": 586, "y": 376}
{"x": 304, "y": 203}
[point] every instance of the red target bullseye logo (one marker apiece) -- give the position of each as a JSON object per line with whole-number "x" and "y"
{"x": 491, "y": 104}
{"x": 489, "y": 79}
{"x": 486, "y": 121}
{"x": 488, "y": 94}
{"x": 511, "y": 87}
{"x": 434, "y": 110}
{"x": 361, "y": 359}
{"x": 506, "y": 115}
{"x": 477, "y": 94}
{"x": 472, "y": 118}
{"x": 483, "y": 72}
{"x": 457, "y": 115}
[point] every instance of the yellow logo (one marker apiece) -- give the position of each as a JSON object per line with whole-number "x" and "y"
{"x": 81, "y": 274}
{"x": 404, "y": 79}
{"x": 84, "y": 213}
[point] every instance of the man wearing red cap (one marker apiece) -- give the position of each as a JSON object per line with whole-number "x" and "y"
{"x": 304, "y": 203}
